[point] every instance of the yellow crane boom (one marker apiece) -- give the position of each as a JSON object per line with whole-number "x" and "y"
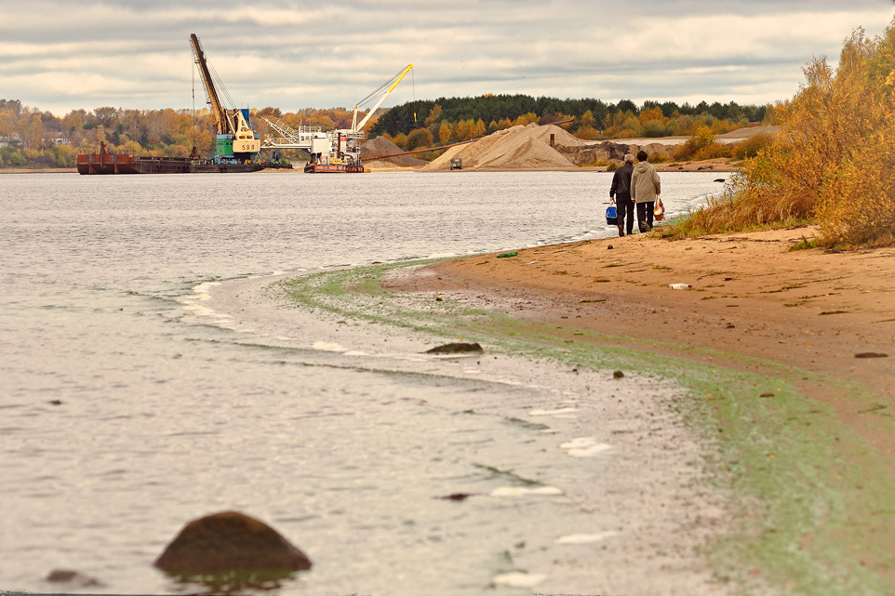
{"x": 397, "y": 79}
{"x": 217, "y": 109}
{"x": 227, "y": 122}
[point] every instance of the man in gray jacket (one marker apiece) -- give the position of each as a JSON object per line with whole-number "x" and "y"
{"x": 645, "y": 187}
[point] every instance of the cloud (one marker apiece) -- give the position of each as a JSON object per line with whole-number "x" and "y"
{"x": 65, "y": 55}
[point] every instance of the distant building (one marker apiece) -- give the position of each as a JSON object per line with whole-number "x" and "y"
{"x": 13, "y": 140}
{"x": 55, "y": 138}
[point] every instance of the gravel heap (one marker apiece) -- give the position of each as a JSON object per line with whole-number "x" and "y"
{"x": 383, "y": 146}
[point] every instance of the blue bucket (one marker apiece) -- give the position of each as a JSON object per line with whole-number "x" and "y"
{"x": 611, "y": 216}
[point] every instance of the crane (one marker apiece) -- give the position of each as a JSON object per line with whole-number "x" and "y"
{"x": 334, "y": 150}
{"x": 235, "y": 138}
{"x": 394, "y": 83}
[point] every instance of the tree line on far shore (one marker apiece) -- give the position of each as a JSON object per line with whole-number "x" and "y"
{"x": 30, "y": 137}
{"x": 423, "y": 123}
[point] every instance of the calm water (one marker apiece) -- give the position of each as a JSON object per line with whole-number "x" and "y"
{"x": 163, "y": 420}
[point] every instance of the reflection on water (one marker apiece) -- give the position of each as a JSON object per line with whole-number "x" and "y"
{"x": 122, "y": 418}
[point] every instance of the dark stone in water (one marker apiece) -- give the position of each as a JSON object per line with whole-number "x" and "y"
{"x": 231, "y": 547}
{"x": 456, "y": 348}
{"x": 73, "y": 578}
{"x": 456, "y": 496}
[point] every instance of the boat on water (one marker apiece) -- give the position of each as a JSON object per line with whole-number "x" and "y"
{"x": 106, "y": 162}
{"x": 333, "y": 166}
{"x": 341, "y": 168}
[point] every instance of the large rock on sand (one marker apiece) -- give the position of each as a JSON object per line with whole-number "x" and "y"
{"x": 232, "y": 545}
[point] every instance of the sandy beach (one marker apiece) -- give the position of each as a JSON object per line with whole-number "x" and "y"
{"x": 749, "y": 294}
{"x": 751, "y": 305}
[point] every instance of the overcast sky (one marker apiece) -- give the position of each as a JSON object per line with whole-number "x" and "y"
{"x": 72, "y": 54}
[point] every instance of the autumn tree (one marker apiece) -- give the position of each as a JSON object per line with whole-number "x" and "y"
{"x": 433, "y": 117}
{"x": 444, "y": 133}
{"x": 832, "y": 161}
{"x": 419, "y": 138}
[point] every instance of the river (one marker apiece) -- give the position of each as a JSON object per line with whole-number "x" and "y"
{"x": 124, "y": 415}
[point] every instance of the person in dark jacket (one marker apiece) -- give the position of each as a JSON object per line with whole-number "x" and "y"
{"x": 620, "y": 191}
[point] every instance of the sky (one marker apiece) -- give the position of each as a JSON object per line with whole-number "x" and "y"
{"x": 60, "y": 56}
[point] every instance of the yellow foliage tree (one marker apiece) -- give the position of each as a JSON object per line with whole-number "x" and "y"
{"x": 834, "y": 159}
{"x": 419, "y": 138}
{"x": 434, "y": 115}
{"x": 650, "y": 114}
{"x": 444, "y": 133}
{"x": 480, "y": 129}
{"x": 462, "y": 130}
{"x": 526, "y": 119}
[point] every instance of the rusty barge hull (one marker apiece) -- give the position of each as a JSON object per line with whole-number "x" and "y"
{"x": 113, "y": 163}
{"x": 122, "y": 163}
{"x": 332, "y": 168}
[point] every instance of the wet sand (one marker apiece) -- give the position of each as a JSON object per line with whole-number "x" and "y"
{"x": 749, "y": 295}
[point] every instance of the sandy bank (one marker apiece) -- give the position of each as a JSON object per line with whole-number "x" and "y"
{"x": 821, "y": 321}
{"x": 734, "y": 136}
{"x": 38, "y": 171}
{"x": 749, "y": 295}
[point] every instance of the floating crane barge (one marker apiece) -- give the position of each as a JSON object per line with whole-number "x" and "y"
{"x": 237, "y": 146}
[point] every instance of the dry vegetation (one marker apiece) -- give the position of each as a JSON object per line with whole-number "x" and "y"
{"x": 832, "y": 163}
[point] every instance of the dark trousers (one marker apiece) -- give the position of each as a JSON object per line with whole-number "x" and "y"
{"x": 645, "y": 216}
{"x": 625, "y": 209}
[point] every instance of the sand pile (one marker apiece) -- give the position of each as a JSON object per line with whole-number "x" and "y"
{"x": 560, "y": 136}
{"x": 382, "y": 146}
{"x": 519, "y": 148}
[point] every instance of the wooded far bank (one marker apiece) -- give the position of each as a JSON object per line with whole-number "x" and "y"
{"x": 30, "y": 137}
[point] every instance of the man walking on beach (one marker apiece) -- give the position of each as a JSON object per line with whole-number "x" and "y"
{"x": 645, "y": 187}
{"x": 620, "y": 190}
